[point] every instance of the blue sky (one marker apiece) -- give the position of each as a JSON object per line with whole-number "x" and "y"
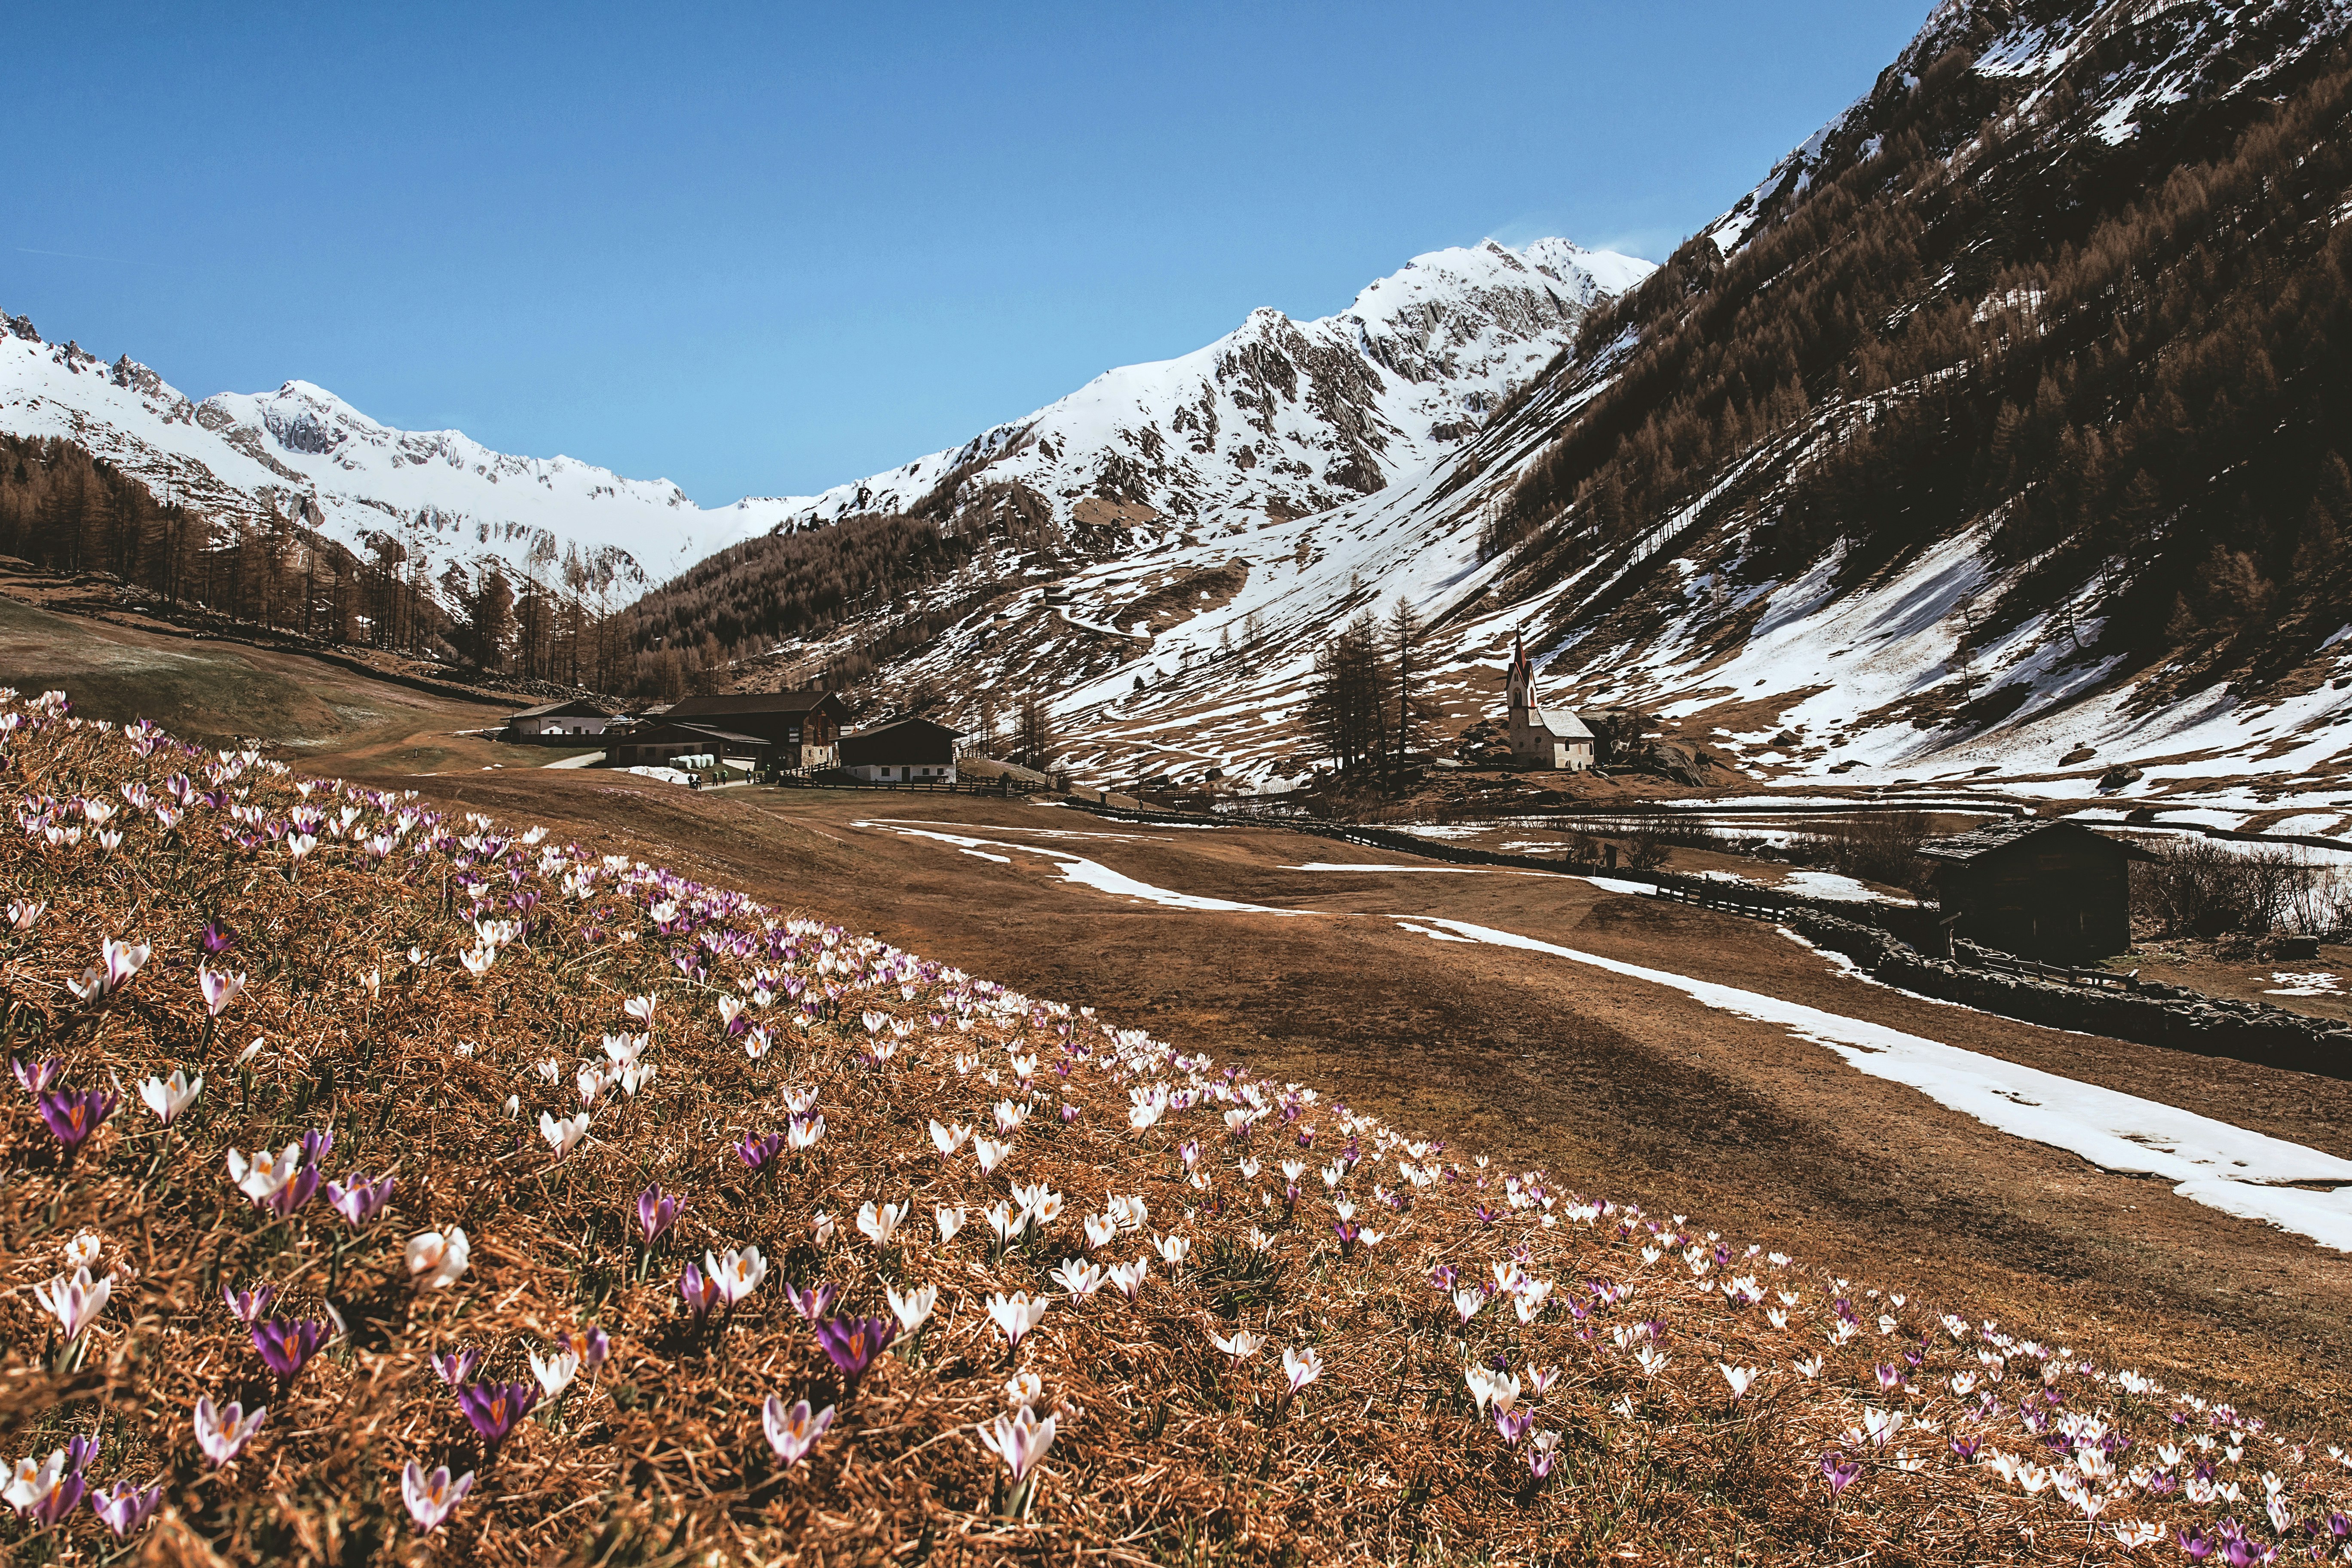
{"x": 762, "y": 250}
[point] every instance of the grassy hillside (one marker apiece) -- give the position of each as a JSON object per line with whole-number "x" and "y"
{"x": 536, "y": 1045}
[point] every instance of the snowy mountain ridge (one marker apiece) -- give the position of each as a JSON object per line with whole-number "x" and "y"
{"x": 301, "y": 452}
{"x": 1279, "y": 417}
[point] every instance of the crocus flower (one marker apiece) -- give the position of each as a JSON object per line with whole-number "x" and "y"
{"x": 37, "y": 1074}
{"x": 74, "y": 1115}
{"x": 431, "y": 1498}
{"x": 913, "y": 1309}
{"x": 495, "y": 1409}
{"x": 1301, "y": 1367}
{"x": 1838, "y": 1471}
{"x": 590, "y": 1345}
{"x": 48, "y": 1490}
{"x": 1016, "y": 1314}
{"x": 124, "y": 1508}
{"x": 359, "y": 1200}
{"x": 169, "y": 1097}
{"x": 216, "y": 938}
{"x": 853, "y": 1342}
{"x": 759, "y": 1148}
{"x": 554, "y": 1373}
{"x": 220, "y": 988}
{"x": 437, "y": 1259}
{"x": 737, "y": 1274}
{"x": 221, "y": 1433}
{"x": 1241, "y": 1347}
{"x": 1019, "y": 1440}
{"x": 260, "y": 1177}
{"x": 286, "y": 1348}
{"x": 74, "y": 1301}
{"x": 656, "y": 1212}
{"x": 562, "y": 1133}
{"x": 701, "y": 1292}
{"x": 455, "y": 1368}
{"x": 813, "y": 1302}
{"x": 247, "y": 1305}
{"x": 879, "y": 1223}
{"x": 793, "y": 1432}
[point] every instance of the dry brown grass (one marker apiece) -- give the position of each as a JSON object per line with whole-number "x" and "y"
{"x": 1166, "y": 1452}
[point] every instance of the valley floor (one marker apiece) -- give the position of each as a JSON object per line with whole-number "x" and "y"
{"x": 1621, "y": 1086}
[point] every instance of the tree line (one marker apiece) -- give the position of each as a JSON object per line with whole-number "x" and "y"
{"x": 64, "y": 510}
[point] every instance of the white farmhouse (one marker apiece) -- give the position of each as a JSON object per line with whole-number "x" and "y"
{"x": 1539, "y": 740}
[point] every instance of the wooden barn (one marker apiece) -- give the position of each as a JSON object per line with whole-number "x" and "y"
{"x": 904, "y": 750}
{"x": 555, "y": 723}
{"x": 803, "y": 729}
{"x": 2040, "y": 888}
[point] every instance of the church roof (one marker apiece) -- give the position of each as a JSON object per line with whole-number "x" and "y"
{"x": 1566, "y": 726}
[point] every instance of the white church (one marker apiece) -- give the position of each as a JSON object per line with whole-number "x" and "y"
{"x": 1559, "y": 742}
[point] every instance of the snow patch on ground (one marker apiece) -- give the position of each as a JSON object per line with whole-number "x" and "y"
{"x": 2209, "y": 1162}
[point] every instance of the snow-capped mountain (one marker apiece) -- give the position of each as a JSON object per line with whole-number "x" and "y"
{"x": 440, "y": 496}
{"x": 1277, "y": 418}
{"x": 1873, "y": 556}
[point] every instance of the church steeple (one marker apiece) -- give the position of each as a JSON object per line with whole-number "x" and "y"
{"x": 1522, "y": 682}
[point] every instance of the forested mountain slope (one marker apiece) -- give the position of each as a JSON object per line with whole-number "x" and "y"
{"x": 2005, "y": 420}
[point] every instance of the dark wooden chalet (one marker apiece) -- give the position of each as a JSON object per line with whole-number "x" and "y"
{"x": 803, "y": 728}
{"x": 903, "y": 751}
{"x": 2045, "y": 889}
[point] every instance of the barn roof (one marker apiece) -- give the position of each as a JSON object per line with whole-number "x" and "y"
{"x": 899, "y": 724}
{"x": 749, "y": 702}
{"x": 566, "y": 707}
{"x": 1989, "y": 837}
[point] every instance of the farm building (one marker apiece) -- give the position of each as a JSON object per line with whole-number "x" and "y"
{"x": 803, "y": 728}
{"x": 906, "y": 750}
{"x": 1558, "y": 741}
{"x": 662, "y": 742}
{"x": 553, "y": 723}
{"x": 2039, "y": 888}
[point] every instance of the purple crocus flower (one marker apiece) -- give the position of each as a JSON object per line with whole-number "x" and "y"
{"x": 287, "y": 1347}
{"x": 247, "y": 1305}
{"x": 813, "y": 1302}
{"x": 2196, "y": 1543}
{"x": 300, "y": 1189}
{"x": 74, "y": 1115}
{"x": 456, "y": 1367}
{"x": 315, "y": 1144}
{"x": 1966, "y": 1449}
{"x": 760, "y": 1148}
{"x": 1838, "y": 1471}
{"x": 60, "y": 1493}
{"x": 124, "y": 1508}
{"x": 495, "y": 1409}
{"x": 1513, "y": 1424}
{"x": 37, "y": 1074}
{"x": 853, "y": 1342}
{"x": 359, "y": 1200}
{"x": 1540, "y": 1462}
{"x": 656, "y": 1212}
{"x": 700, "y": 1294}
{"x": 216, "y": 938}
{"x": 79, "y": 1452}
